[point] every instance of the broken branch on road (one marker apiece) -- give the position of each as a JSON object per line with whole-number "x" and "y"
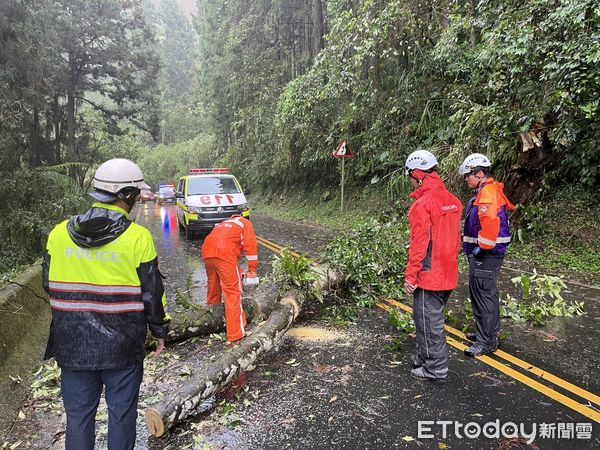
{"x": 213, "y": 377}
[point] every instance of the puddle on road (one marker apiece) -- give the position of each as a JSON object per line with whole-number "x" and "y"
{"x": 198, "y": 282}
{"x": 314, "y": 334}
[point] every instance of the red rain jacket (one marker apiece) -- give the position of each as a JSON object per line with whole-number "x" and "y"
{"x": 435, "y": 224}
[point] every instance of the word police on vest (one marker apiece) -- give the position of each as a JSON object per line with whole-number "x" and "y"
{"x": 93, "y": 255}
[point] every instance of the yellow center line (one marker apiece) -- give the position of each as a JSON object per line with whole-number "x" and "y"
{"x": 536, "y": 385}
{"x": 591, "y": 397}
{"x": 276, "y": 247}
{"x": 384, "y": 306}
{"x": 267, "y": 245}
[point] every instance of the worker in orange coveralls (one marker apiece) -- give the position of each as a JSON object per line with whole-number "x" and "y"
{"x": 221, "y": 252}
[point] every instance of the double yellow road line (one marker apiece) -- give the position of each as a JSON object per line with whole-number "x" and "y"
{"x": 587, "y": 409}
{"x": 275, "y": 247}
{"x": 583, "y": 408}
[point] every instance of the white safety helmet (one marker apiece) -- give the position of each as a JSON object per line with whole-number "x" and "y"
{"x": 420, "y": 159}
{"x": 115, "y": 175}
{"x": 472, "y": 161}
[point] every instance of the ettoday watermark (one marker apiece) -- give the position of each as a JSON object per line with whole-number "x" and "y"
{"x": 427, "y": 429}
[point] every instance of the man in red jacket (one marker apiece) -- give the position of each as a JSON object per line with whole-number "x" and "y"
{"x": 432, "y": 268}
{"x": 221, "y": 252}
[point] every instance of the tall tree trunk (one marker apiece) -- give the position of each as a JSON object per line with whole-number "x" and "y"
{"x": 317, "y": 27}
{"x": 71, "y": 92}
{"x": 57, "y": 129}
{"x": 48, "y": 153}
{"x": 474, "y": 37}
{"x": 445, "y": 19}
{"x": 71, "y": 151}
{"x": 35, "y": 156}
{"x": 296, "y": 146}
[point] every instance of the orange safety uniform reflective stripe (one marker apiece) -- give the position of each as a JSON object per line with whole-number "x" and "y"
{"x": 229, "y": 238}
{"x": 490, "y": 200}
{"x": 224, "y": 277}
{"x": 221, "y": 252}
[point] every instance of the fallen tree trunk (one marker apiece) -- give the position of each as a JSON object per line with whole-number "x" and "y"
{"x": 198, "y": 320}
{"x": 216, "y": 375}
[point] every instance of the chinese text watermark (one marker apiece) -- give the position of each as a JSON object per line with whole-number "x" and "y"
{"x": 497, "y": 430}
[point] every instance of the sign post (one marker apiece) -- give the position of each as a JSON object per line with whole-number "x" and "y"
{"x": 343, "y": 152}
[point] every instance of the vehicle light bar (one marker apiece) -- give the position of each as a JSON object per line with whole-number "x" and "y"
{"x": 212, "y": 170}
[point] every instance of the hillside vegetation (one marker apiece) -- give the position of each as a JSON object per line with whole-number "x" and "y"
{"x": 270, "y": 87}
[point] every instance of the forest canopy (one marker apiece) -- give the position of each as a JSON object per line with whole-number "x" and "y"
{"x": 270, "y": 87}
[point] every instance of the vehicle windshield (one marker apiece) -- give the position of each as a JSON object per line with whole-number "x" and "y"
{"x": 212, "y": 185}
{"x": 166, "y": 190}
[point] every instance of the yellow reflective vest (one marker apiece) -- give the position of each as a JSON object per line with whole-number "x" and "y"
{"x": 103, "y": 298}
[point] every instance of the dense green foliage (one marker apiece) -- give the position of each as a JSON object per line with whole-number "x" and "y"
{"x": 269, "y": 87}
{"x": 166, "y": 163}
{"x": 541, "y": 300}
{"x": 74, "y": 76}
{"x": 373, "y": 257}
{"x": 40, "y": 200}
{"x": 396, "y": 75}
{"x": 78, "y": 85}
{"x": 295, "y": 272}
{"x": 561, "y": 233}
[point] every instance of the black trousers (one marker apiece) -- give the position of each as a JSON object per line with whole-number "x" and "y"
{"x": 428, "y": 314}
{"x": 483, "y": 289}
{"x": 81, "y": 391}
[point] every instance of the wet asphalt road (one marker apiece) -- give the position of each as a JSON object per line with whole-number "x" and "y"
{"x": 341, "y": 388}
{"x": 345, "y": 393}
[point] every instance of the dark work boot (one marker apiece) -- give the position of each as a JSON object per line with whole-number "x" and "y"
{"x": 473, "y": 338}
{"x": 416, "y": 363}
{"x": 478, "y": 349}
{"x": 420, "y": 374}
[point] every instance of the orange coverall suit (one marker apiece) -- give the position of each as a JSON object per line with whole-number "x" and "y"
{"x": 221, "y": 252}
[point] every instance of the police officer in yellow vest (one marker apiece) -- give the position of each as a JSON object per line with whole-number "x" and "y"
{"x": 101, "y": 273}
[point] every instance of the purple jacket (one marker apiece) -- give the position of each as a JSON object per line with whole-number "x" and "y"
{"x": 494, "y": 235}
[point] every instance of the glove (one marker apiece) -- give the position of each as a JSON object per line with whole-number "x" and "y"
{"x": 476, "y": 251}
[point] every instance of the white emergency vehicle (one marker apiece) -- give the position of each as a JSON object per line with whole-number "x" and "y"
{"x": 206, "y": 197}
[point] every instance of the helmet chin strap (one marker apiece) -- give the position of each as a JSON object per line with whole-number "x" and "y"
{"x": 478, "y": 182}
{"x": 128, "y": 198}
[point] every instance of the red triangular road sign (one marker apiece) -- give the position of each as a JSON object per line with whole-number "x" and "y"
{"x": 343, "y": 151}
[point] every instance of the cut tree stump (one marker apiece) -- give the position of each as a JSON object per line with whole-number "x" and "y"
{"x": 214, "y": 376}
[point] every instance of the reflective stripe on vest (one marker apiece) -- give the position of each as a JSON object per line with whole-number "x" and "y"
{"x": 473, "y": 240}
{"x": 98, "y": 285}
{"x": 95, "y": 288}
{"x": 99, "y": 307}
{"x": 236, "y": 220}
